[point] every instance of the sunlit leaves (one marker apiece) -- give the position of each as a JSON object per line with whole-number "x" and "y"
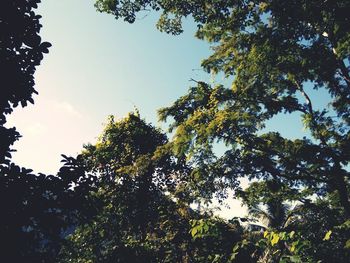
{"x": 133, "y": 210}
{"x": 327, "y": 236}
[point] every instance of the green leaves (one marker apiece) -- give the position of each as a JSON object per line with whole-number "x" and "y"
{"x": 347, "y": 244}
{"x": 291, "y": 234}
{"x": 275, "y": 239}
{"x": 272, "y": 56}
{"x": 327, "y": 236}
{"x": 284, "y": 246}
{"x": 201, "y": 228}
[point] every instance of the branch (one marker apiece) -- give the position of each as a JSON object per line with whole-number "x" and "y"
{"x": 344, "y": 72}
{"x": 143, "y": 17}
{"x": 307, "y": 98}
{"x": 191, "y": 79}
{"x": 276, "y": 173}
{"x": 310, "y": 109}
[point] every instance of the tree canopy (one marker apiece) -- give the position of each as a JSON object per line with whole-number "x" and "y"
{"x": 279, "y": 55}
{"x": 139, "y": 216}
{"x": 277, "y": 52}
{"x": 130, "y": 196}
{"x": 36, "y": 210}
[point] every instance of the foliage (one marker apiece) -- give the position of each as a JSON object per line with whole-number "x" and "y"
{"x": 127, "y": 198}
{"x": 133, "y": 212}
{"x": 216, "y": 238}
{"x": 139, "y": 216}
{"x": 37, "y": 211}
{"x": 272, "y": 49}
{"x": 280, "y": 55}
{"x": 284, "y": 247}
{"x": 21, "y": 50}
{"x": 323, "y": 224}
{"x": 309, "y": 233}
{"x": 266, "y": 201}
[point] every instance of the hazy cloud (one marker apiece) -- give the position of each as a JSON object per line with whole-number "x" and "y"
{"x": 68, "y": 108}
{"x": 36, "y": 129}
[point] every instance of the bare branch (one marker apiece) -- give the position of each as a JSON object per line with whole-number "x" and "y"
{"x": 198, "y": 82}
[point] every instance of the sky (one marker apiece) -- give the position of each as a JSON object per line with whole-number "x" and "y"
{"x": 98, "y": 66}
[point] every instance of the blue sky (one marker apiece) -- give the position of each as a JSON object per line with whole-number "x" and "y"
{"x": 98, "y": 66}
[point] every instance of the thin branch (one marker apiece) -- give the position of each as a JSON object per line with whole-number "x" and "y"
{"x": 307, "y": 98}
{"x": 143, "y": 17}
{"x": 276, "y": 173}
{"x": 344, "y": 72}
{"x": 198, "y": 82}
{"x": 310, "y": 109}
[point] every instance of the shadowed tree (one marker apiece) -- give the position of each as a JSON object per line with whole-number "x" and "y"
{"x": 36, "y": 210}
{"x": 21, "y": 51}
{"x": 274, "y": 215}
{"x": 267, "y": 202}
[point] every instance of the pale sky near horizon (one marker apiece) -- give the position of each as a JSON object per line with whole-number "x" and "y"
{"x": 98, "y": 66}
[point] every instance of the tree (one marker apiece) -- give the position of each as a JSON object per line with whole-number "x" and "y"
{"x": 136, "y": 220}
{"x": 278, "y": 54}
{"x": 37, "y": 211}
{"x": 21, "y": 51}
{"x": 272, "y": 49}
{"x": 322, "y": 225}
{"x": 139, "y": 214}
{"x": 273, "y": 216}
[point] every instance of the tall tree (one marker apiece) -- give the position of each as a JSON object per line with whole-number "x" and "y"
{"x": 274, "y": 211}
{"x": 36, "y": 210}
{"x": 21, "y": 51}
{"x": 277, "y": 53}
{"x": 140, "y": 216}
{"x": 281, "y": 57}
{"x": 134, "y": 211}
